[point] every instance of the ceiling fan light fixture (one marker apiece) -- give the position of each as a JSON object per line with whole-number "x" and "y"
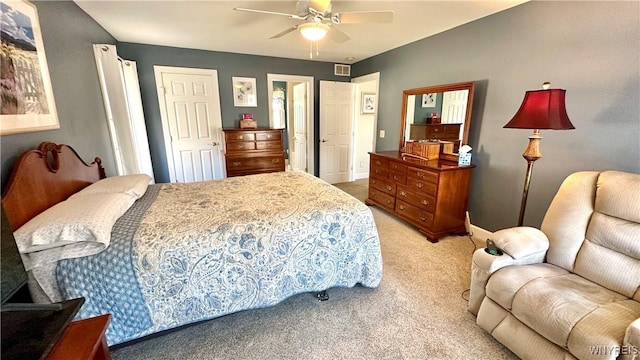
{"x": 313, "y": 31}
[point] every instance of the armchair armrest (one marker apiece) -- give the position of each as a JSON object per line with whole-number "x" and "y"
{"x": 632, "y": 342}
{"x": 521, "y": 246}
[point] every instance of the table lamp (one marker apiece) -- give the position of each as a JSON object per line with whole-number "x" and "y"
{"x": 540, "y": 109}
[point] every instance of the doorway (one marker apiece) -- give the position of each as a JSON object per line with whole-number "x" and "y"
{"x": 365, "y": 124}
{"x": 295, "y": 116}
{"x": 347, "y": 128}
{"x": 191, "y": 122}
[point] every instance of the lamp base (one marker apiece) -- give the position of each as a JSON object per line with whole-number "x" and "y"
{"x": 531, "y": 154}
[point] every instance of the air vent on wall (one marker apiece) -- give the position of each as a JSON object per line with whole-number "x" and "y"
{"x": 342, "y": 70}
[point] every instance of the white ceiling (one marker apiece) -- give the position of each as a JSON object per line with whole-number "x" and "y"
{"x": 214, "y": 25}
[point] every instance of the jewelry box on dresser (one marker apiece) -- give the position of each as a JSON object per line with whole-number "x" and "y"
{"x": 253, "y": 151}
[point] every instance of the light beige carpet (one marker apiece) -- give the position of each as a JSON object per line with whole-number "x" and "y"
{"x": 417, "y": 312}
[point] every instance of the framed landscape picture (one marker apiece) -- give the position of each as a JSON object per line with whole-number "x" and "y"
{"x": 26, "y": 96}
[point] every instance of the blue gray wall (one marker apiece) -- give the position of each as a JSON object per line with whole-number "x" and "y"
{"x": 591, "y": 49}
{"x": 228, "y": 65}
{"x": 68, "y": 34}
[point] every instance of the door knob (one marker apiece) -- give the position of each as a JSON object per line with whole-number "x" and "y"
{"x": 214, "y": 144}
{"x": 323, "y": 140}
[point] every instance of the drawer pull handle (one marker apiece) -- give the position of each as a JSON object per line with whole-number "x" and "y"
{"x": 373, "y": 194}
{"x": 237, "y": 163}
{"x": 378, "y": 163}
{"x": 388, "y": 187}
{"x": 389, "y": 202}
{"x": 421, "y": 175}
{"x": 275, "y": 161}
{"x": 396, "y": 178}
{"x": 401, "y": 207}
{"x": 425, "y": 202}
{"x": 240, "y": 137}
{"x": 423, "y": 218}
{"x": 419, "y": 185}
{"x": 269, "y": 136}
{"x": 402, "y": 193}
{"x": 373, "y": 181}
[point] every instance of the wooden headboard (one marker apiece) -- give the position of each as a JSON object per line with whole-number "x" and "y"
{"x": 44, "y": 177}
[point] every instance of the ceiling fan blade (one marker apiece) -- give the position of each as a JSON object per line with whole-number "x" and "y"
{"x": 293, "y": 16}
{"x": 281, "y": 34}
{"x": 320, "y": 6}
{"x": 360, "y": 17}
{"x": 337, "y": 35}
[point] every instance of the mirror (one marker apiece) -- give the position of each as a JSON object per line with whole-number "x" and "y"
{"x": 437, "y": 113}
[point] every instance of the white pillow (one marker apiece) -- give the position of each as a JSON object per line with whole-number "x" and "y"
{"x": 83, "y": 219}
{"x": 134, "y": 185}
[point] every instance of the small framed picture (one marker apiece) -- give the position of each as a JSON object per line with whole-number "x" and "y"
{"x": 429, "y": 100}
{"x": 368, "y": 103}
{"x": 244, "y": 92}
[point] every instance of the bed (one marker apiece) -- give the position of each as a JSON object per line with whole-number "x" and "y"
{"x": 159, "y": 256}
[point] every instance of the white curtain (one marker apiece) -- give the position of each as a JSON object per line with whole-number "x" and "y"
{"x": 123, "y": 106}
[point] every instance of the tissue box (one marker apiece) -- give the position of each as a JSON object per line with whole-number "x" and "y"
{"x": 464, "y": 159}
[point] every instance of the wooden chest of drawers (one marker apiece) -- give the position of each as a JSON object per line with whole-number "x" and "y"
{"x": 432, "y": 195}
{"x": 253, "y": 151}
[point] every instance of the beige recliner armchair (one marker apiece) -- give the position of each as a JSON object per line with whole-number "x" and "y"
{"x": 571, "y": 289}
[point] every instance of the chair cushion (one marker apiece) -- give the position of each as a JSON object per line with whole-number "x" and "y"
{"x": 565, "y": 308}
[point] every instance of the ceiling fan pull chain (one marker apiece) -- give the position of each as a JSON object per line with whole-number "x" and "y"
{"x": 317, "y": 48}
{"x": 310, "y": 49}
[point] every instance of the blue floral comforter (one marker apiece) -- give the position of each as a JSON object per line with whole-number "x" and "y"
{"x": 189, "y": 252}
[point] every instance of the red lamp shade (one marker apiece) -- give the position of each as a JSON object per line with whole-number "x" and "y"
{"x": 542, "y": 109}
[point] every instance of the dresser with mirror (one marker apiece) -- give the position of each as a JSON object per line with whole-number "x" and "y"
{"x": 422, "y": 182}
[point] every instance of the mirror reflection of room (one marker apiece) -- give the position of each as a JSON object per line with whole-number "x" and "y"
{"x": 447, "y": 108}
{"x": 437, "y": 114}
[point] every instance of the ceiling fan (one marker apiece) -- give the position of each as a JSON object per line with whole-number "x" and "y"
{"x": 319, "y": 20}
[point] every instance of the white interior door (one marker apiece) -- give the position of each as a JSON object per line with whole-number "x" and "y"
{"x": 192, "y": 122}
{"x": 298, "y": 151}
{"x": 336, "y": 131}
{"x": 123, "y": 107}
{"x": 454, "y": 108}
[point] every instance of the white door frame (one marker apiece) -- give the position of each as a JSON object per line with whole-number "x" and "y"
{"x": 159, "y": 70}
{"x": 366, "y": 78}
{"x": 363, "y": 79}
{"x": 310, "y": 111}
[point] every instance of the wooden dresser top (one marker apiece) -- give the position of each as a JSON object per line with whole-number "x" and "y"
{"x": 249, "y": 130}
{"x": 436, "y": 164}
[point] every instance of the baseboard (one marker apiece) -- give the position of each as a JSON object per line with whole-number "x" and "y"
{"x": 361, "y": 176}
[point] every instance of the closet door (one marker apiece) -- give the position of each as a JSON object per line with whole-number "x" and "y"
{"x": 123, "y": 107}
{"x": 191, "y": 121}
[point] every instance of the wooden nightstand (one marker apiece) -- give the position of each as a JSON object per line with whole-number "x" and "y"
{"x": 83, "y": 340}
